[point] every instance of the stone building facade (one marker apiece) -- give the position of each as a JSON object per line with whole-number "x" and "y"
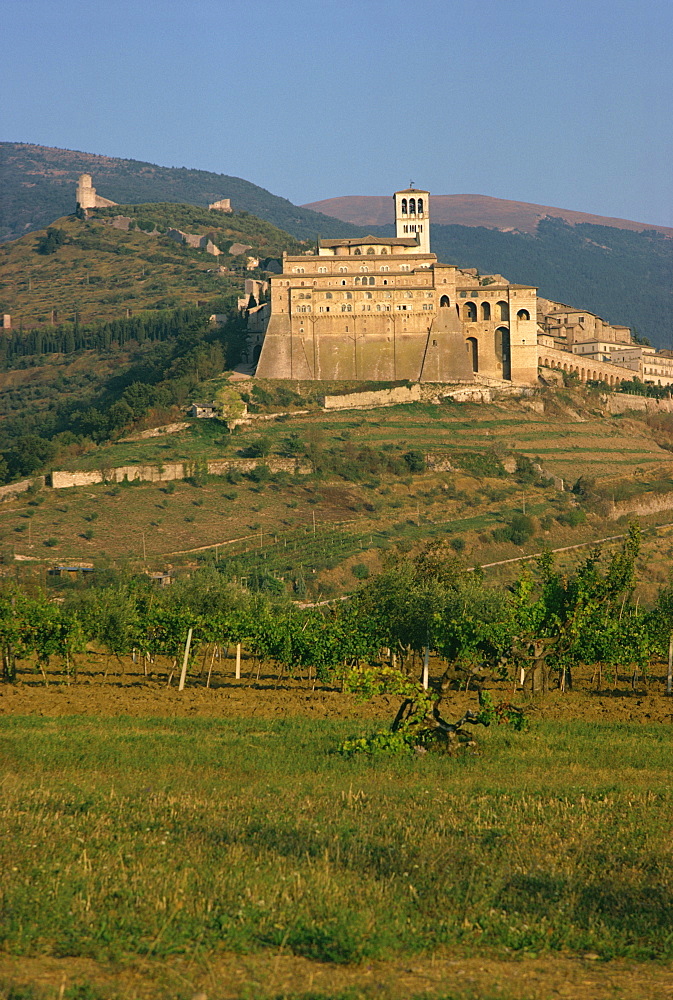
{"x": 384, "y": 308}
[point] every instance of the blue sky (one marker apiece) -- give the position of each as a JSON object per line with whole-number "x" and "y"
{"x": 559, "y": 103}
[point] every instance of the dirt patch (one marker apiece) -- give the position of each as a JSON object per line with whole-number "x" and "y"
{"x": 108, "y": 688}
{"x": 229, "y": 977}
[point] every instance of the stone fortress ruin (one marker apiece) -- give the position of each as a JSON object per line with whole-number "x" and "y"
{"x": 87, "y": 197}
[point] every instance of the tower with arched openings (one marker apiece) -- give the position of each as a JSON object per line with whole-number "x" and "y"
{"x": 412, "y": 216}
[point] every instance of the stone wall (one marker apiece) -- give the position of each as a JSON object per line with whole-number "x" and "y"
{"x": 641, "y": 506}
{"x": 171, "y": 471}
{"x": 14, "y": 489}
{"x": 158, "y": 431}
{"x": 623, "y": 403}
{"x": 378, "y": 397}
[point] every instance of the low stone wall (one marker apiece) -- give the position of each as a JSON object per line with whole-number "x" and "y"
{"x": 623, "y": 402}
{"x": 15, "y": 489}
{"x": 641, "y": 506}
{"x": 172, "y": 471}
{"x": 154, "y": 432}
{"x": 377, "y": 397}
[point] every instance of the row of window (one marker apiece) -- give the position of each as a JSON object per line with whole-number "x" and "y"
{"x": 344, "y": 270}
{"x": 412, "y": 206}
{"x": 413, "y": 229}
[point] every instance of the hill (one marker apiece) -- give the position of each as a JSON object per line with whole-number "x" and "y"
{"x": 38, "y": 186}
{"x": 97, "y": 272}
{"x": 469, "y": 210}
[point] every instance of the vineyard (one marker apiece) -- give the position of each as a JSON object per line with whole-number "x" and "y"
{"x": 215, "y": 787}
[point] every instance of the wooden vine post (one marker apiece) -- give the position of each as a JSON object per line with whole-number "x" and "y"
{"x": 183, "y": 675}
{"x": 669, "y": 679}
{"x": 238, "y": 661}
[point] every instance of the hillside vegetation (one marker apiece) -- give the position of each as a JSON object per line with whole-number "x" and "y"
{"x": 89, "y": 271}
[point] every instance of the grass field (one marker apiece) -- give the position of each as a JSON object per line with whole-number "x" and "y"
{"x": 129, "y": 841}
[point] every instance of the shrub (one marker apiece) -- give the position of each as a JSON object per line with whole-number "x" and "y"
{"x": 572, "y": 517}
{"x": 518, "y": 531}
{"x": 480, "y": 463}
{"x": 457, "y": 544}
{"x": 360, "y": 571}
{"x": 414, "y": 460}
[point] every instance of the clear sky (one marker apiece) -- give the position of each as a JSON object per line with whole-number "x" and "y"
{"x": 559, "y": 102}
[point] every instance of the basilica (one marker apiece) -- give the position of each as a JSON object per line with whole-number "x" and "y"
{"x": 384, "y": 309}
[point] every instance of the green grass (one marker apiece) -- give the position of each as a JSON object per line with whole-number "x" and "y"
{"x": 154, "y": 837}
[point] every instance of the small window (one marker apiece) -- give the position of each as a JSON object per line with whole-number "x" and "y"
{"x": 371, "y": 250}
{"x": 364, "y": 269}
{"x": 420, "y": 206}
{"x": 322, "y": 270}
{"x": 343, "y": 270}
{"x": 358, "y": 252}
{"x": 404, "y": 206}
{"x": 384, "y": 268}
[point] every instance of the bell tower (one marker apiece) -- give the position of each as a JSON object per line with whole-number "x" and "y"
{"x": 412, "y": 216}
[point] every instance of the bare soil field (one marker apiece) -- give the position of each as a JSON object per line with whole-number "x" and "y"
{"x": 108, "y": 688}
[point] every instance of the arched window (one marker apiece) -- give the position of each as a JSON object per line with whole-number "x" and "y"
{"x": 420, "y": 206}
{"x": 384, "y": 268}
{"x": 343, "y": 270}
{"x": 470, "y": 312}
{"x": 358, "y": 252}
{"x": 357, "y": 281}
{"x": 404, "y": 267}
{"x": 412, "y": 206}
{"x": 444, "y": 302}
{"x": 473, "y": 352}
{"x": 523, "y": 314}
{"x": 371, "y": 250}
{"x": 383, "y": 250}
{"x": 368, "y": 295}
{"x": 486, "y": 310}
{"x": 502, "y": 310}
{"x": 322, "y": 270}
{"x": 364, "y": 269}
{"x": 328, "y": 295}
{"x": 348, "y": 295}
{"x": 404, "y": 206}
{"x": 343, "y": 282}
{"x": 371, "y": 281}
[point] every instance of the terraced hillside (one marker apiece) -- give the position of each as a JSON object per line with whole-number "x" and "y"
{"x": 384, "y": 480}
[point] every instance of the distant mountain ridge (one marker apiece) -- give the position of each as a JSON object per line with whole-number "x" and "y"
{"x": 469, "y": 210}
{"x": 38, "y": 186}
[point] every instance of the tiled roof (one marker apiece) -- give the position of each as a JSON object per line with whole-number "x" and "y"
{"x": 388, "y": 241}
